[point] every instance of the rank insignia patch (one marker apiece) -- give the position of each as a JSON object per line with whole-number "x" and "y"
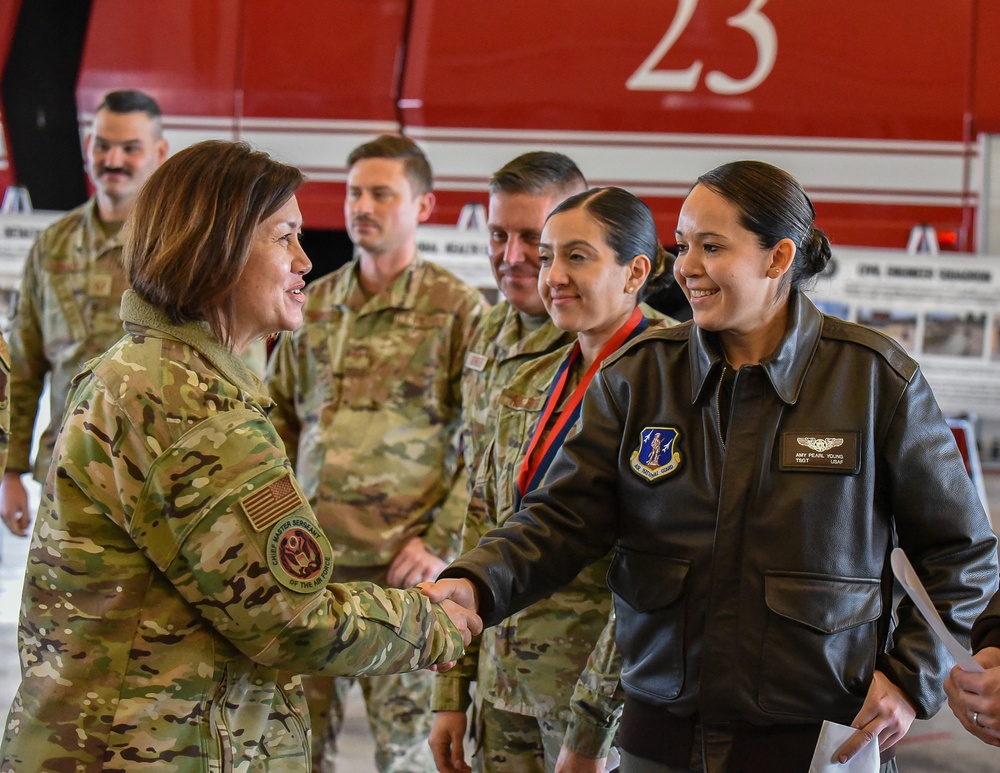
{"x": 299, "y": 554}
{"x": 657, "y": 455}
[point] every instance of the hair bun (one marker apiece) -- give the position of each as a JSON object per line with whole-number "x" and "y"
{"x": 816, "y": 253}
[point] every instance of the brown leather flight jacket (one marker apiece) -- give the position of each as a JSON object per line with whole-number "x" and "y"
{"x": 751, "y": 575}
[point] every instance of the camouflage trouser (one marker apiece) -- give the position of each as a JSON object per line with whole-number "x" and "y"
{"x": 515, "y": 743}
{"x": 398, "y": 707}
{"x": 398, "y": 716}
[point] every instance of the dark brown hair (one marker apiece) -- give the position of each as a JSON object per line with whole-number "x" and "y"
{"x": 188, "y": 237}
{"x": 537, "y": 172}
{"x": 629, "y": 230}
{"x": 773, "y": 206}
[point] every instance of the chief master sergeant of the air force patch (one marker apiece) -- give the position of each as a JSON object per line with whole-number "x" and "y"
{"x": 656, "y": 456}
{"x": 298, "y": 552}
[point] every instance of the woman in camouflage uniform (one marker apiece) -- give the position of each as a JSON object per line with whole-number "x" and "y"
{"x": 599, "y": 255}
{"x": 175, "y": 568}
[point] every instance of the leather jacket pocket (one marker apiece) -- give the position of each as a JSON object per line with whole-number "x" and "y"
{"x": 650, "y": 607}
{"x": 820, "y": 643}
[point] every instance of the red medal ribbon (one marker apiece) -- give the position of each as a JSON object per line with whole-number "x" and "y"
{"x": 533, "y": 468}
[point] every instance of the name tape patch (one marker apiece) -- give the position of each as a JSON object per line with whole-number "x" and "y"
{"x": 821, "y": 451}
{"x": 476, "y": 361}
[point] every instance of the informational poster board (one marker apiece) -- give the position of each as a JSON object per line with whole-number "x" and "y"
{"x": 944, "y": 309}
{"x": 463, "y": 251}
{"x": 17, "y": 233}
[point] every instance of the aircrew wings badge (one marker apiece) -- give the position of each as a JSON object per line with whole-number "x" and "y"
{"x": 657, "y": 455}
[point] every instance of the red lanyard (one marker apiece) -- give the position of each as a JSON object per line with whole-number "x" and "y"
{"x": 533, "y": 465}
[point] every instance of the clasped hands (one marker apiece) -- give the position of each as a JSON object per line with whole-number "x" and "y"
{"x": 459, "y": 601}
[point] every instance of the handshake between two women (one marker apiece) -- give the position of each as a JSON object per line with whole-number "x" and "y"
{"x": 459, "y": 601}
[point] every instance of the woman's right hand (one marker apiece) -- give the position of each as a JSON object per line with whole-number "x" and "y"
{"x": 462, "y": 592}
{"x": 975, "y": 698}
{"x": 445, "y": 741}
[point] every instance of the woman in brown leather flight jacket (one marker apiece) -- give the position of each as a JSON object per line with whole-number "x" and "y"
{"x": 753, "y": 470}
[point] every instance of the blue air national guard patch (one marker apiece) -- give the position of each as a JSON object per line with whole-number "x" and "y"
{"x": 656, "y": 456}
{"x": 299, "y": 554}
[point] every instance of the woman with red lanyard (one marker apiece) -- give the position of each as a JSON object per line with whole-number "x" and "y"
{"x": 599, "y": 256}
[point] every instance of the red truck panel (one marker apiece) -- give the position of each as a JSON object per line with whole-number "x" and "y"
{"x": 865, "y": 103}
{"x": 318, "y": 79}
{"x": 8, "y": 18}
{"x": 184, "y": 53}
{"x": 892, "y": 69}
{"x": 875, "y": 107}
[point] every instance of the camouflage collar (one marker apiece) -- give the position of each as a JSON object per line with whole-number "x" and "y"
{"x": 92, "y": 235}
{"x": 403, "y": 293}
{"x": 200, "y": 337}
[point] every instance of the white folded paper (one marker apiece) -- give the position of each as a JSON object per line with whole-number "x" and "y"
{"x": 831, "y": 737}
{"x": 903, "y": 569}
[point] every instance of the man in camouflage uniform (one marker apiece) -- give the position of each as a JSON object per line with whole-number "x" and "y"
{"x": 514, "y": 332}
{"x": 177, "y": 572}
{"x": 71, "y": 289}
{"x": 517, "y": 329}
{"x": 368, "y": 397}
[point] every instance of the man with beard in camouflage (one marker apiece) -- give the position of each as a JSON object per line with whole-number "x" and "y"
{"x": 71, "y": 289}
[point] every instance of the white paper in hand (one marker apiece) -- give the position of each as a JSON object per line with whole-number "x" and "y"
{"x": 831, "y": 737}
{"x": 907, "y": 576}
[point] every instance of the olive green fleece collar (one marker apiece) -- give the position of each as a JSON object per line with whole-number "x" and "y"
{"x": 199, "y": 336}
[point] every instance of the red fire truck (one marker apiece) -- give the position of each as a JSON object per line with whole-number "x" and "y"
{"x": 885, "y": 111}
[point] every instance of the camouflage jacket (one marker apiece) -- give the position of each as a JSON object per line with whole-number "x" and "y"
{"x": 368, "y": 404}
{"x": 66, "y": 313}
{"x": 557, "y": 654}
{"x": 502, "y": 344}
{"x": 175, "y": 570}
{"x": 4, "y": 402}
{"x": 531, "y": 662}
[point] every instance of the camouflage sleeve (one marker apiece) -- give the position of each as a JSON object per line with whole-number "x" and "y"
{"x": 254, "y": 561}
{"x": 28, "y": 362}
{"x": 453, "y": 688}
{"x": 221, "y": 517}
{"x": 596, "y": 705}
{"x": 4, "y": 403}
{"x": 281, "y": 385}
{"x": 444, "y": 534}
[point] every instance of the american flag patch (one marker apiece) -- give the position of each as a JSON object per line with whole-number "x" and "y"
{"x": 276, "y": 500}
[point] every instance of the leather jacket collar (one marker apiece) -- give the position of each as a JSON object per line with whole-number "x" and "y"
{"x": 786, "y": 367}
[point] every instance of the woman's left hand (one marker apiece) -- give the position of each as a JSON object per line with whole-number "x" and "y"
{"x": 975, "y": 698}
{"x": 886, "y": 715}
